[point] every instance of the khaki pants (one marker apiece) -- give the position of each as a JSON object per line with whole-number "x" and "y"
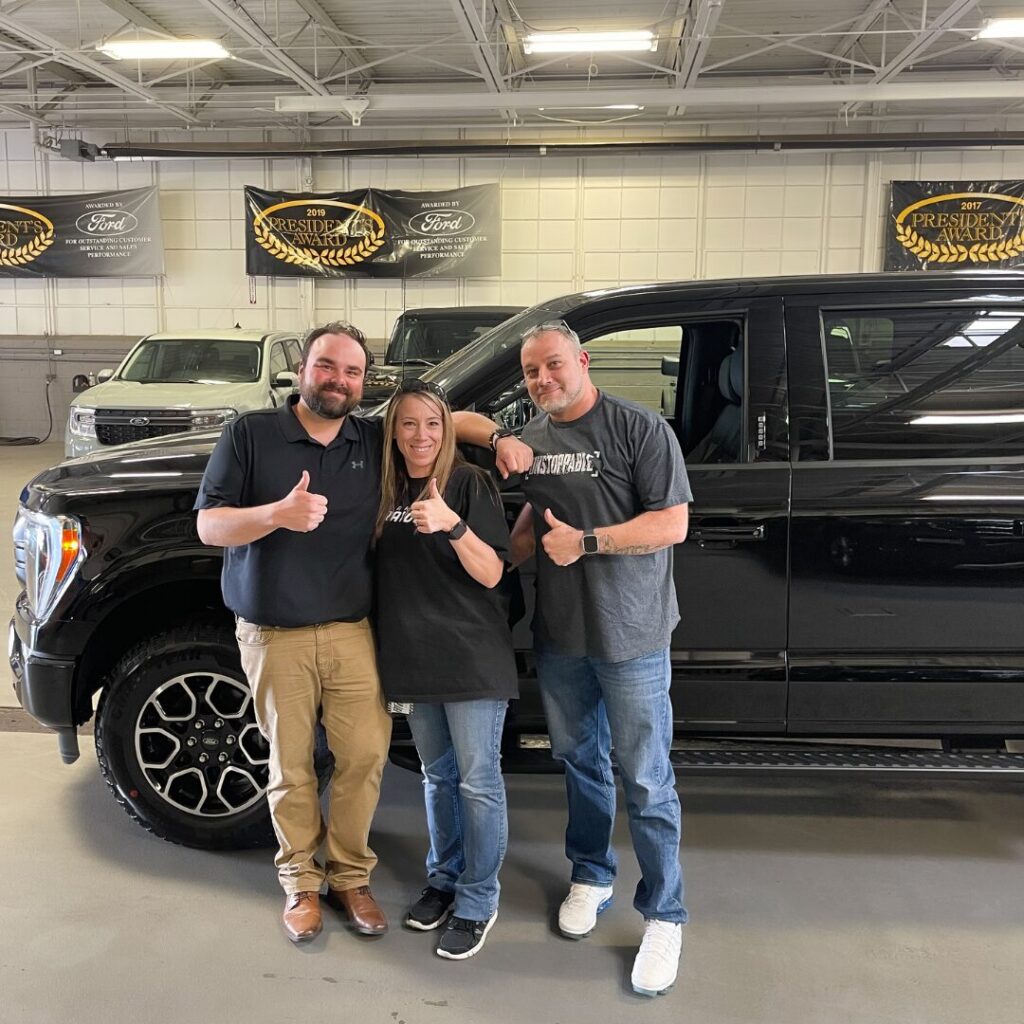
{"x": 293, "y": 673}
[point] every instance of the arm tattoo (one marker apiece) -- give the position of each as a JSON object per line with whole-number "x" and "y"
{"x": 609, "y": 547}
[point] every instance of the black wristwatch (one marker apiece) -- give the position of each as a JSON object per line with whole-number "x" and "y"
{"x": 458, "y": 530}
{"x": 591, "y": 545}
{"x": 498, "y": 435}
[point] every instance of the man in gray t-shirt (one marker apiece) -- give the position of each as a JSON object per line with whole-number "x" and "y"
{"x": 607, "y": 499}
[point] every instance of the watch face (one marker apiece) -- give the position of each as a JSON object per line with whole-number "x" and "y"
{"x": 590, "y": 546}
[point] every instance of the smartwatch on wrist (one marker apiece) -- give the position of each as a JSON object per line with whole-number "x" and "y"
{"x": 497, "y": 436}
{"x": 458, "y": 530}
{"x": 591, "y": 545}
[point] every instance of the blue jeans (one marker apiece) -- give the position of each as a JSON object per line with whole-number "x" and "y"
{"x": 460, "y": 750}
{"x": 590, "y": 705}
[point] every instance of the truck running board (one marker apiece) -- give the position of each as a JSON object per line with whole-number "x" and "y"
{"x": 698, "y": 757}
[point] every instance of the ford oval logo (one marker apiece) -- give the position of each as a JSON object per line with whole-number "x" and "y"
{"x": 442, "y": 222}
{"x": 107, "y": 222}
{"x": 139, "y": 421}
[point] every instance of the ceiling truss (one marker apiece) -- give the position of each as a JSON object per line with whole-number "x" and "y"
{"x": 302, "y": 64}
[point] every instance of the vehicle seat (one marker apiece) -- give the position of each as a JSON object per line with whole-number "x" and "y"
{"x": 210, "y": 362}
{"x": 722, "y": 444}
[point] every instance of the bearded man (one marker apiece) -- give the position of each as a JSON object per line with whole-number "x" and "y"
{"x": 291, "y": 494}
{"x": 607, "y": 499}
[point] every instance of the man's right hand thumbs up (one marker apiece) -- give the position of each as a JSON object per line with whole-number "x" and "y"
{"x": 300, "y": 510}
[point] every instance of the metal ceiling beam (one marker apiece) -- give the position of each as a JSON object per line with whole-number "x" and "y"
{"x": 25, "y": 115}
{"x": 233, "y": 14}
{"x": 946, "y": 20}
{"x": 917, "y": 46}
{"x": 131, "y": 13}
{"x": 859, "y": 27}
{"x": 473, "y": 28}
{"x": 704, "y": 15}
{"x": 749, "y": 97}
{"x": 323, "y": 21}
{"x": 89, "y": 66}
{"x": 516, "y": 53}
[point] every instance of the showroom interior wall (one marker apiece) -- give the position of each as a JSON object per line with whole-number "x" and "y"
{"x": 568, "y": 224}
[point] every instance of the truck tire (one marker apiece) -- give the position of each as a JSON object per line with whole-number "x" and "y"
{"x": 178, "y": 744}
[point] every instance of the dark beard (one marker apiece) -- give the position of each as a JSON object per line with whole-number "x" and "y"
{"x": 318, "y": 400}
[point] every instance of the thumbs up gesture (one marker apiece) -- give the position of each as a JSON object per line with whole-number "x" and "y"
{"x": 299, "y": 509}
{"x": 562, "y": 543}
{"x": 431, "y": 514}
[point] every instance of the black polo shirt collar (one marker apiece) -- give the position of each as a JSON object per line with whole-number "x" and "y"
{"x": 293, "y": 429}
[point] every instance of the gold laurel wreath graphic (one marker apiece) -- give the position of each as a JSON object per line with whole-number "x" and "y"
{"x": 283, "y": 250}
{"x": 28, "y": 252}
{"x": 939, "y": 252}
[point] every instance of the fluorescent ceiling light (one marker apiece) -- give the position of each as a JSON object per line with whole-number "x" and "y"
{"x": 163, "y": 49}
{"x": 1002, "y": 28}
{"x": 589, "y": 42}
{"x": 606, "y": 106}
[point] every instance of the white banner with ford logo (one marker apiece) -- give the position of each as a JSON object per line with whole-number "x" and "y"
{"x": 374, "y": 233}
{"x": 96, "y": 234}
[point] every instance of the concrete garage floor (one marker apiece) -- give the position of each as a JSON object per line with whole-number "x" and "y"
{"x": 811, "y": 900}
{"x": 823, "y": 901}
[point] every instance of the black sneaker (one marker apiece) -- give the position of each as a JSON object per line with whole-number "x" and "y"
{"x": 463, "y": 939}
{"x": 430, "y": 910}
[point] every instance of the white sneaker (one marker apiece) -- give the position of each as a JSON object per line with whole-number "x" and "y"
{"x": 577, "y": 915}
{"x": 657, "y": 961}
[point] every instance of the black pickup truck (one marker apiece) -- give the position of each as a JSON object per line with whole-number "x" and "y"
{"x": 852, "y": 588}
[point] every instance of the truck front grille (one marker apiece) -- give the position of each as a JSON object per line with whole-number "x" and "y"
{"x": 119, "y": 426}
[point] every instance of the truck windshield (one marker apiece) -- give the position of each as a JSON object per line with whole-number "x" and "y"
{"x": 427, "y": 342}
{"x": 193, "y": 360}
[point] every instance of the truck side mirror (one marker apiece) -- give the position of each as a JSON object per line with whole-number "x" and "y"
{"x": 670, "y": 366}
{"x": 285, "y": 379}
{"x": 80, "y": 383}
{"x": 104, "y": 375}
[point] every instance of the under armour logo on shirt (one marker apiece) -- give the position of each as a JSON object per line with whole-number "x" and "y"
{"x": 358, "y": 465}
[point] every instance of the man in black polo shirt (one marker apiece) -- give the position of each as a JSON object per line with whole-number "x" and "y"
{"x": 292, "y": 495}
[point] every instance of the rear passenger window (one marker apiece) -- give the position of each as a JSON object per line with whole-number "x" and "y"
{"x": 925, "y": 383}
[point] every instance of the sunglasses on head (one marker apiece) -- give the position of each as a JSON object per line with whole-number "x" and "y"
{"x": 415, "y": 386}
{"x": 551, "y": 325}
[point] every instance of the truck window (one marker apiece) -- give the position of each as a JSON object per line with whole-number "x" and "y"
{"x": 278, "y": 360}
{"x": 913, "y": 383}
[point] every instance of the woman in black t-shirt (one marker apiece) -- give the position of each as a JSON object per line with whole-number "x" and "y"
{"x": 445, "y": 646}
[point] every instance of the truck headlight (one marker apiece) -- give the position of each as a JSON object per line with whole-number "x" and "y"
{"x": 52, "y": 551}
{"x": 203, "y": 419}
{"x": 83, "y": 421}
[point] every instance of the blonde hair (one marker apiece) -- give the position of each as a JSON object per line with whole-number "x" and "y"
{"x": 394, "y": 476}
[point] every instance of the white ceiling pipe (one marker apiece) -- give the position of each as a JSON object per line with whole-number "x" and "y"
{"x": 703, "y": 96}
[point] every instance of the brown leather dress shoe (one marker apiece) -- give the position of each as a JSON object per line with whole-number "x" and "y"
{"x": 361, "y": 909}
{"x": 302, "y": 920}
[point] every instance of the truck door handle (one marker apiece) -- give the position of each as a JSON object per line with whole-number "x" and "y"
{"x": 727, "y": 535}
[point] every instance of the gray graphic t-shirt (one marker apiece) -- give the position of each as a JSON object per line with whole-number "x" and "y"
{"x": 613, "y": 463}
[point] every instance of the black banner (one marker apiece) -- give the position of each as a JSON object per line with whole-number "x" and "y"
{"x": 373, "y": 233}
{"x": 97, "y": 234}
{"x": 945, "y": 224}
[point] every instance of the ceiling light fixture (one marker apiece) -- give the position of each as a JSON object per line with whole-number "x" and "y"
{"x": 589, "y": 42}
{"x": 163, "y": 49}
{"x": 606, "y": 106}
{"x": 1002, "y": 28}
